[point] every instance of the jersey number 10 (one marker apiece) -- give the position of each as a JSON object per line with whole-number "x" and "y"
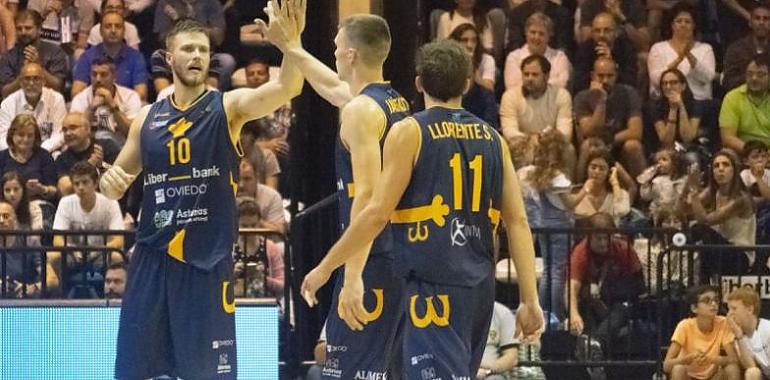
{"x": 178, "y": 151}
{"x": 457, "y": 181}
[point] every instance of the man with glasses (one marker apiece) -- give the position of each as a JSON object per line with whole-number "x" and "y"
{"x": 81, "y": 145}
{"x": 695, "y": 350}
{"x": 45, "y": 104}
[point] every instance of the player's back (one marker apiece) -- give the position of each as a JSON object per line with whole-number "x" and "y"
{"x": 444, "y": 223}
{"x": 394, "y": 108}
{"x": 190, "y": 179}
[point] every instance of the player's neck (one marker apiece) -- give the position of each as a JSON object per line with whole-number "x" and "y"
{"x": 450, "y": 103}
{"x": 184, "y": 96}
{"x": 363, "y": 76}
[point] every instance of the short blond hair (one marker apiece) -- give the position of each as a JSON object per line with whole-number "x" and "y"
{"x": 748, "y": 296}
{"x": 369, "y": 34}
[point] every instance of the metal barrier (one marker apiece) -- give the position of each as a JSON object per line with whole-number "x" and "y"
{"x": 670, "y": 312}
{"x": 78, "y": 255}
{"x": 636, "y": 351}
{"x": 623, "y": 328}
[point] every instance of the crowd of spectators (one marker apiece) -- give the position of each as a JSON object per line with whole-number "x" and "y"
{"x": 628, "y": 114}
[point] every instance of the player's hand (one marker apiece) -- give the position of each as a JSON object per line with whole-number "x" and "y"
{"x": 529, "y": 322}
{"x": 115, "y": 182}
{"x": 297, "y": 10}
{"x": 482, "y": 373}
{"x": 351, "y": 303}
{"x": 282, "y": 31}
{"x": 312, "y": 282}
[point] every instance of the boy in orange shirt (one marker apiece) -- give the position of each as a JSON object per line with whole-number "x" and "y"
{"x": 695, "y": 350}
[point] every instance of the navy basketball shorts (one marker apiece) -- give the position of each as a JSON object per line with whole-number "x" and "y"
{"x": 446, "y": 329}
{"x": 176, "y": 320}
{"x": 367, "y": 354}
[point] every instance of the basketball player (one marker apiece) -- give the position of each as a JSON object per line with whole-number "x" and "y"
{"x": 177, "y": 316}
{"x": 447, "y": 183}
{"x": 369, "y": 107}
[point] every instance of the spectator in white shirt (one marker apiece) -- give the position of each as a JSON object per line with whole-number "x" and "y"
{"x": 108, "y": 106}
{"x": 501, "y": 352}
{"x": 538, "y": 32}
{"x": 45, "y": 104}
{"x": 752, "y": 334}
{"x": 536, "y": 105}
{"x": 682, "y": 51}
{"x": 86, "y": 210}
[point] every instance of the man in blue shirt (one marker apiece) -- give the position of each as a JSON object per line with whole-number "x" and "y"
{"x": 130, "y": 66}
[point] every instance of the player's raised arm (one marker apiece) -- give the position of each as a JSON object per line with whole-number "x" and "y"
{"x": 127, "y": 166}
{"x": 247, "y": 104}
{"x": 529, "y": 317}
{"x": 323, "y": 79}
{"x": 401, "y": 147}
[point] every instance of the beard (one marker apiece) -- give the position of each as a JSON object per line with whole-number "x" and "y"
{"x": 112, "y": 295}
{"x": 25, "y": 40}
{"x": 191, "y": 82}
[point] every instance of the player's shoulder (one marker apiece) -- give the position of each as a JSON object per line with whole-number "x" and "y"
{"x": 361, "y": 105}
{"x": 143, "y": 112}
{"x": 406, "y": 125}
{"x": 362, "y": 115}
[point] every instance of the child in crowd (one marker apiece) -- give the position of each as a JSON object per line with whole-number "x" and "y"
{"x": 86, "y": 211}
{"x": 549, "y": 203}
{"x": 752, "y": 333}
{"x": 695, "y": 350}
{"x": 756, "y": 177}
{"x": 675, "y": 267}
{"x": 662, "y": 183}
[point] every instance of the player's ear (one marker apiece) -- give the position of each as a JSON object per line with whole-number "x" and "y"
{"x": 168, "y": 57}
{"x": 467, "y": 85}
{"x": 418, "y": 84}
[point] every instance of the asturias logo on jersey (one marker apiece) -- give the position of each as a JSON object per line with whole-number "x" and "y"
{"x": 224, "y": 366}
{"x": 163, "y": 218}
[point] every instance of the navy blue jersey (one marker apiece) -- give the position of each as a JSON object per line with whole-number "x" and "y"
{"x": 190, "y": 180}
{"x": 444, "y": 222}
{"x": 395, "y": 108}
